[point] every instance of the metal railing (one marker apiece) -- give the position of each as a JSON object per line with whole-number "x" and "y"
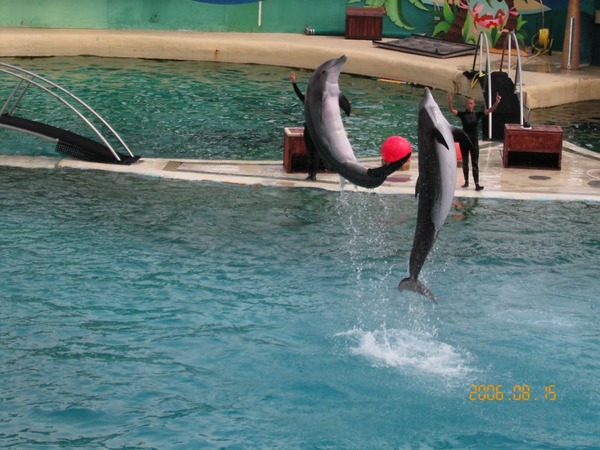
{"x": 27, "y": 78}
{"x": 518, "y": 79}
{"x": 482, "y": 41}
{"x": 512, "y": 37}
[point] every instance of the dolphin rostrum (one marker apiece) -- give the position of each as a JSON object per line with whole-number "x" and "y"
{"x": 435, "y": 186}
{"x": 323, "y": 119}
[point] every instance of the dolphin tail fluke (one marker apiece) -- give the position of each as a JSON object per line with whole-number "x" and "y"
{"x": 387, "y": 169}
{"x": 414, "y": 285}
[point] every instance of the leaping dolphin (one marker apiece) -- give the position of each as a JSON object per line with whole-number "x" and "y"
{"x": 435, "y": 186}
{"x": 323, "y": 120}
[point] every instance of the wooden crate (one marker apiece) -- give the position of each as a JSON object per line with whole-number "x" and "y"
{"x": 295, "y": 156}
{"x": 364, "y": 23}
{"x": 294, "y": 151}
{"x": 538, "y": 147}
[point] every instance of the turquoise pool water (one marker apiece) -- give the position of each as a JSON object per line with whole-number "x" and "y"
{"x": 143, "y": 313}
{"x": 201, "y": 110}
{"x": 206, "y": 110}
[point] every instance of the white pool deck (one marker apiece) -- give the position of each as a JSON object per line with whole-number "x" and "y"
{"x": 578, "y": 179}
{"x": 545, "y": 85}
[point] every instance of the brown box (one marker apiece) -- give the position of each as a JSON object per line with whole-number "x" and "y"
{"x": 295, "y": 156}
{"x": 294, "y": 150}
{"x": 538, "y": 147}
{"x": 364, "y": 23}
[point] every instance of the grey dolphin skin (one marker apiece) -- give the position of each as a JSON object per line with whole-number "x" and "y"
{"x": 323, "y": 119}
{"x": 435, "y": 186}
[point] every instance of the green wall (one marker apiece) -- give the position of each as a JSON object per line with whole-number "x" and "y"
{"x": 57, "y": 14}
{"x": 278, "y": 16}
{"x": 290, "y": 16}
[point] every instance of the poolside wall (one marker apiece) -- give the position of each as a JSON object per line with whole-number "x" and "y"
{"x": 268, "y": 16}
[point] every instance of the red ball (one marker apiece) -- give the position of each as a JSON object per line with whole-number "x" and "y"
{"x": 395, "y": 148}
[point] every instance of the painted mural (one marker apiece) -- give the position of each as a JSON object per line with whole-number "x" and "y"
{"x": 227, "y": 2}
{"x": 464, "y": 20}
{"x": 393, "y": 9}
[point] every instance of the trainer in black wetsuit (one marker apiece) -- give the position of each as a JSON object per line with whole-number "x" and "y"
{"x": 313, "y": 155}
{"x": 470, "y": 123}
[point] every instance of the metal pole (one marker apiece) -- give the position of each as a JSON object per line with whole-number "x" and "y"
{"x": 260, "y": 13}
{"x": 570, "y": 49}
{"x": 570, "y": 53}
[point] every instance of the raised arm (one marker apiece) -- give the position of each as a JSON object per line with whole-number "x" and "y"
{"x": 494, "y": 106}
{"x": 296, "y": 88}
{"x": 450, "y": 106}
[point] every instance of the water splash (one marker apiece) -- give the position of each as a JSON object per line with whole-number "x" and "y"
{"x": 410, "y": 351}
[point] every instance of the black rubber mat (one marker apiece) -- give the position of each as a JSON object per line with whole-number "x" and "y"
{"x": 427, "y": 46}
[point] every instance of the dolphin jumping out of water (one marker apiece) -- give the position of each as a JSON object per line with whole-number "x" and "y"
{"x": 323, "y": 119}
{"x": 435, "y": 186}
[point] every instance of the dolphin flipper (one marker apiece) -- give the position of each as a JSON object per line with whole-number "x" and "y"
{"x": 414, "y": 285}
{"x": 345, "y": 104}
{"x": 462, "y": 138}
{"x": 440, "y": 138}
